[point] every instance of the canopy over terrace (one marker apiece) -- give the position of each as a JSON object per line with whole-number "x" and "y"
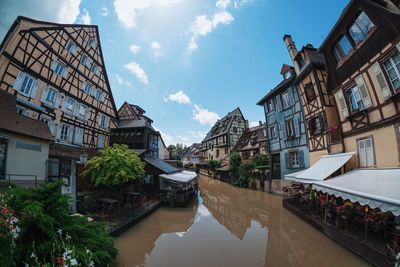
{"x": 377, "y": 188}
{"x": 320, "y": 170}
{"x": 181, "y": 177}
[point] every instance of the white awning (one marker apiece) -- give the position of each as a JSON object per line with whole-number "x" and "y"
{"x": 377, "y": 188}
{"x": 322, "y": 169}
{"x": 181, "y": 177}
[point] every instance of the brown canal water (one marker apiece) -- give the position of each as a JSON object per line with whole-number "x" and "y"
{"x": 228, "y": 226}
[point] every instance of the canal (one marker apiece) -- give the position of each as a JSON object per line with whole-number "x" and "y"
{"x": 228, "y": 226}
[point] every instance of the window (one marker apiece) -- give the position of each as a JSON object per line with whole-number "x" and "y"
{"x": 65, "y": 132}
{"x": 300, "y": 62}
{"x": 99, "y": 95}
{"x": 69, "y": 105}
{"x": 294, "y": 159}
{"x": 94, "y": 68}
{"x": 273, "y": 132}
{"x": 217, "y": 153}
{"x": 355, "y": 100}
{"x": 25, "y": 84}
{"x": 51, "y": 96}
{"x": 87, "y": 88}
{"x": 59, "y": 69}
{"x": 78, "y": 136}
{"x": 342, "y": 48}
{"x": 235, "y": 129}
{"x": 84, "y": 59}
{"x": 101, "y": 141}
{"x": 287, "y": 75}
{"x": 392, "y": 67}
{"x": 71, "y": 47}
{"x": 103, "y": 121}
{"x": 310, "y": 93}
{"x": 287, "y": 99}
{"x": 270, "y": 105}
{"x": 360, "y": 28}
{"x": 366, "y": 152}
{"x": 315, "y": 125}
{"x": 226, "y": 150}
{"x": 21, "y": 110}
{"x": 83, "y": 111}
{"x": 91, "y": 43}
{"x": 290, "y": 132}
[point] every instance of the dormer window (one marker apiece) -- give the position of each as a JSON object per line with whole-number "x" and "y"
{"x": 287, "y": 75}
{"x": 360, "y": 28}
{"x": 91, "y": 43}
{"x": 342, "y": 48}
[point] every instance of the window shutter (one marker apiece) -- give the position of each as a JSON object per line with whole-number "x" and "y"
{"x": 278, "y": 103}
{"x": 361, "y": 153}
{"x": 51, "y": 125}
{"x": 107, "y": 122}
{"x": 398, "y": 46}
{"x": 78, "y": 139}
{"x": 65, "y": 73}
{"x": 369, "y": 152}
{"x": 270, "y": 133}
{"x": 43, "y": 98}
{"x": 34, "y": 88}
{"x": 287, "y": 162}
{"x": 342, "y": 103}
{"x": 19, "y": 80}
{"x": 301, "y": 159}
{"x": 53, "y": 65}
{"x": 59, "y": 132}
{"x": 290, "y": 98}
{"x": 296, "y": 123}
{"x": 70, "y": 133}
{"x": 283, "y": 130}
{"x": 363, "y": 91}
{"x": 58, "y": 98}
{"x": 385, "y": 90}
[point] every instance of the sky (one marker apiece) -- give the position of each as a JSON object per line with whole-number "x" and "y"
{"x": 190, "y": 62}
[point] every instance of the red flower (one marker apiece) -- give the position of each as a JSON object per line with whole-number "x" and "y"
{"x": 59, "y": 261}
{"x": 5, "y": 211}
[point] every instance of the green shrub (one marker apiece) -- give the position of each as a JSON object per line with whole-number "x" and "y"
{"x": 244, "y": 171}
{"x": 234, "y": 163}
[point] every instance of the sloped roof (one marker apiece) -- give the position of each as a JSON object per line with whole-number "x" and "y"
{"x": 282, "y": 85}
{"x": 223, "y": 125}
{"x": 161, "y": 165}
{"x": 11, "y": 121}
{"x": 251, "y": 138}
{"x": 285, "y": 68}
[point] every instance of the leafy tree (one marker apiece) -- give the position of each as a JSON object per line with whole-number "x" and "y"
{"x": 234, "y": 163}
{"x": 260, "y": 161}
{"x": 245, "y": 173}
{"x": 213, "y": 165}
{"x": 42, "y": 214}
{"x": 114, "y": 165}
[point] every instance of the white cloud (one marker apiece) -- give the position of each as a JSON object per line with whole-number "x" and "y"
{"x": 173, "y": 140}
{"x": 121, "y": 81}
{"x": 104, "y": 11}
{"x": 204, "y": 116}
{"x": 135, "y": 49}
{"x": 84, "y": 18}
{"x": 156, "y": 49}
{"x": 199, "y": 135}
{"x": 127, "y": 10}
{"x": 68, "y": 11}
{"x": 135, "y": 69}
{"x": 240, "y": 3}
{"x": 253, "y": 123}
{"x": 204, "y": 24}
{"x": 179, "y": 97}
{"x": 223, "y": 4}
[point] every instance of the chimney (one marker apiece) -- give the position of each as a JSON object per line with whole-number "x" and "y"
{"x": 260, "y": 123}
{"x": 291, "y": 47}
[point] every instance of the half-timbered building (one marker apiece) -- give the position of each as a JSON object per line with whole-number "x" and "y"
{"x": 284, "y": 118}
{"x": 253, "y": 142}
{"x": 136, "y": 131}
{"x": 58, "y": 75}
{"x": 223, "y": 136}
{"x": 362, "y": 55}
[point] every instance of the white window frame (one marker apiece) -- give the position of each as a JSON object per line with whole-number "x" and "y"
{"x": 290, "y": 131}
{"x": 87, "y": 88}
{"x": 20, "y": 110}
{"x": 94, "y": 68}
{"x": 55, "y": 95}
{"x": 26, "y": 88}
{"x": 285, "y": 100}
{"x": 59, "y": 68}
{"x": 101, "y": 141}
{"x": 70, "y": 111}
{"x": 71, "y": 47}
{"x": 355, "y": 96}
{"x": 274, "y": 132}
{"x": 395, "y": 67}
{"x": 65, "y": 136}
{"x": 84, "y": 108}
{"x": 294, "y": 159}
{"x": 362, "y": 152}
{"x": 92, "y": 42}
{"x": 103, "y": 121}
{"x": 84, "y": 59}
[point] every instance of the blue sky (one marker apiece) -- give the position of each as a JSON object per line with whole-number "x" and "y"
{"x": 189, "y": 62}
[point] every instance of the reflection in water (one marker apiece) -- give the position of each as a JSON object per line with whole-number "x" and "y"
{"x": 228, "y": 226}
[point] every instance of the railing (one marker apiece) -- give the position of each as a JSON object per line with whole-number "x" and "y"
{"x": 334, "y": 134}
{"x": 24, "y": 180}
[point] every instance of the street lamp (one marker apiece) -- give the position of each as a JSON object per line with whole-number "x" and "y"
{"x": 83, "y": 158}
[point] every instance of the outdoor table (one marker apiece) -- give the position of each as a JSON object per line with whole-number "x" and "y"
{"x": 108, "y": 203}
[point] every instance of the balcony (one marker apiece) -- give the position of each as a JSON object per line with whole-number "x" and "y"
{"x": 334, "y": 134}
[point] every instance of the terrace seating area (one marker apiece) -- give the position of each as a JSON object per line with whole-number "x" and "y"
{"x": 362, "y": 229}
